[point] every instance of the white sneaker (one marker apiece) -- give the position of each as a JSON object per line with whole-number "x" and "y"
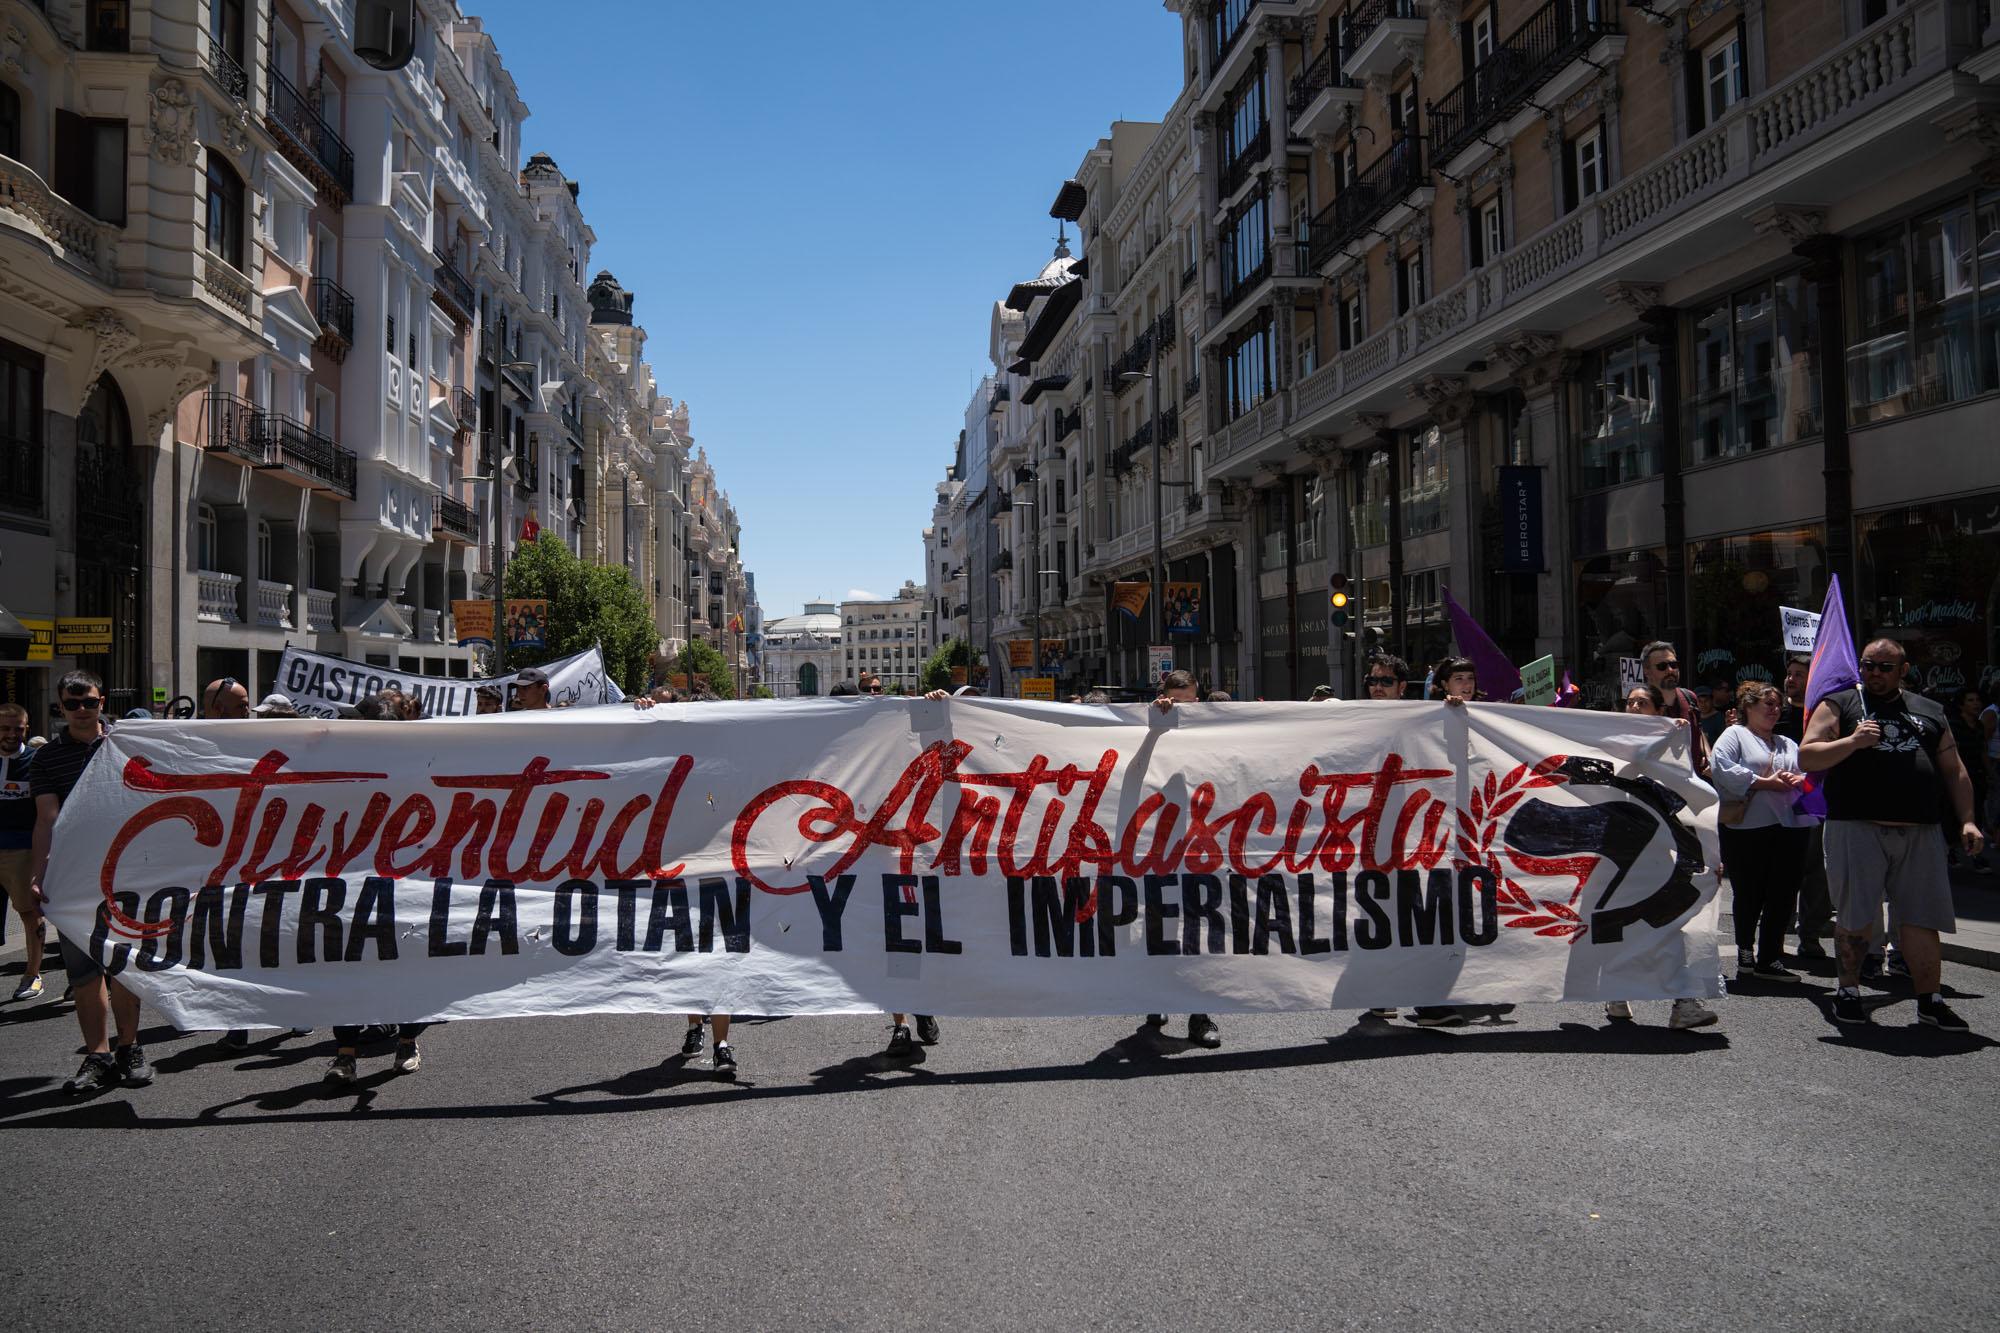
{"x": 1618, "y": 1011}
{"x": 1691, "y": 1014}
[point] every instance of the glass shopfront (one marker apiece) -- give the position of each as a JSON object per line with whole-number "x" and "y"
{"x": 1621, "y": 605}
{"x": 1735, "y": 587}
{"x": 1929, "y": 577}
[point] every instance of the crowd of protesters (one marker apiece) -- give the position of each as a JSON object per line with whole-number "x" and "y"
{"x": 1904, "y": 784}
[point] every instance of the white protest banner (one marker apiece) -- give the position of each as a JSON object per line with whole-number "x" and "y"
{"x": 1800, "y": 628}
{"x": 947, "y": 857}
{"x": 1631, "y": 675}
{"x": 321, "y": 685}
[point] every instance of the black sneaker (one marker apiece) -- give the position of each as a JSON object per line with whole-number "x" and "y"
{"x": 725, "y": 1060}
{"x": 1811, "y": 951}
{"x": 900, "y": 1042}
{"x": 1849, "y": 1009}
{"x": 1440, "y": 1016}
{"x": 691, "y": 1043}
{"x": 1871, "y": 969}
{"x": 1774, "y": 971}
{"x": 341, "y": 1070}
{"x": 97, "y": 1072}
{"x": 1898, "y": 966}
{"x": 1202, "y": 1031}
{"x": 236, "y": 1039}
{"x": 1156, "y": 1020}
{"x": 927, "y": 1029}
{"x": 1939, "y": 1015}
{"x": 132, "y": 1066}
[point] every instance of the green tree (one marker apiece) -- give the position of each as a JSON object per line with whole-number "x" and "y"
{"x": 951, "y": 653}
{"x": 761, "y": 692}
{"x": 587, "y": 604}
{"x": 700, "y": 658}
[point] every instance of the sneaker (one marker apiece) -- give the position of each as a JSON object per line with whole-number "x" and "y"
{"x": 301, "y": 1032}
{"x": 1871, "y": 970}
{"x": 927, "y": 1029}
{"x": 1774, "y": 971}
{"x": 1691, "y": 1014}
{"x": 1202, "y": 1031}
{"x": 691, "y": 1043}
{"x": 1156, "y": 1020}
{"x": 130, "y": 1062}
{"x": 236, "y": 1039}
{"x": 1439, "y": 1016}
{"x": 31, "y": 989}
{"x": 1897, "y": 966}
{"x": 1618, "y": 1011}
{"x": 341, "y": 1070}
{"x": 900, "y": 1043}
{"x": 1939, "y": 1015}
{"x": 408, "y": 1058}
{"x": 1849, "y": 1009}
{"x": 1811, "y": 949}
{"x": 95, "y": 1074}
{"x": 1386, "y": 1015}
{"x": 725, "y": 1060}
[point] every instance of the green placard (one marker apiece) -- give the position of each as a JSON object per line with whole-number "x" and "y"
{"x": 1538, "y": 681}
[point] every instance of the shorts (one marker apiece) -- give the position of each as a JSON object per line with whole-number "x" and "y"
{"x": 14, "y": 866}
{"x": 80, "y": 966}
{"x": 1904, "y": 865}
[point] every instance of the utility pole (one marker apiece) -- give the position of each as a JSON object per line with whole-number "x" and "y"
{"x": 1159, "y": 455}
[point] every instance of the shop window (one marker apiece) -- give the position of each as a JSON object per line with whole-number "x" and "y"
{"x": 90, "y": 165}
{"x": 1370, "y": 519}
{"x": 1427, "y": 492}
{"x": 225, "y": 212}
{"x": 1753, "y": 374}
{"x": 1929, "y": 578}
{"x": 1927, "y": 312}
{"x": 1426, "y": 635}
{"x": 1621, "y": 437}
{"x": 1621, "y": 605}
{"x": 1735, "y": 587}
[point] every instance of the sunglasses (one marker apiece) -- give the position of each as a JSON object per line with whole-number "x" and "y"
{"x": 872, "y": 689}
{"x": 73, "y": 705}
{"x": 1382, "y": 682}
{"x": 1880, "y": 666}
{"x": 1666, "y": 666}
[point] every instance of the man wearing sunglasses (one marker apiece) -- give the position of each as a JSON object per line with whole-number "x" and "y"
{"x": 1890, "y": 762}
{"x": 58, "y": 766}
{"x": 1385, "y": 678}
{"x": 1663, "y": 671}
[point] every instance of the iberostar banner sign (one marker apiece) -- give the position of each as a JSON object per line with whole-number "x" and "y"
{"x": 835, "y": 856}
{"x": 321, "y": 685}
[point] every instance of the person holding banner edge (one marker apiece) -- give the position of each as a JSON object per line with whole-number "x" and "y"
{"x": 1177, "y": 688}
{"x": 1889, "y": 760}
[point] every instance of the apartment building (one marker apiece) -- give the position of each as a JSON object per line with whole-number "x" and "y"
{"x": 947, "y": 615}
{"x": 802, "y": 653}
{"x": 721, "y": 609}
{"x": 889, "y": 637}
{"x": 629, "y": 503}
{"x": 1618, "y": 321}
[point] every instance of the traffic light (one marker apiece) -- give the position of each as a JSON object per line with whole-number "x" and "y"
{"x": 1337, "y": 598}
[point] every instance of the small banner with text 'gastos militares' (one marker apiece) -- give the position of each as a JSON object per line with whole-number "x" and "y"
{"x": 964, "y": 856}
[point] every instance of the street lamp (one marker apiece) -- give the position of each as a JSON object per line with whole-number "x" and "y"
{"x": 1159, "y": 590}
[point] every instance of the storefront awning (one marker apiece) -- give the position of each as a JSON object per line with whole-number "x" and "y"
{"x": 14, "y": 636}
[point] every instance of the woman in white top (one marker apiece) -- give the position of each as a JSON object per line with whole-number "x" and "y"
{"x": 1764, "y": 853}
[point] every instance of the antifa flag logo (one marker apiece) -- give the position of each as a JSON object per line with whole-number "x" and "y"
{"x": 1542, "y": 840}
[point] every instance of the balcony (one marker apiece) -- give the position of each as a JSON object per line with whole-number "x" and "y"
{"x": 218, "y": 598}
{"x": 1236, "y": 286}
{"x": 334, "y": 309}
{"x": 1002, "y": 562}
{"x": 1384, "y": 184}
{"x": 1322, "y": 94}
{"x": 1139, "y": 356}
{"x": 571, "y": 421}
{"x": 1385, "y": 33}
{"x": 452, "y": 290}
{"x": 455, "y": 519}
{"x": 1236, "y": 173}
{"x": 527, "y": 470}
{"x": 235, "y": 426}
{"x": 465, "y": 410}
{"x": 1188, "y": 275}
{"x": 320, "y": 611}
{"x": 1551, "y": 38}
{"x": 1068, "y": 423}
{"x": 303, "y": 451}
{"x": 1191, "y": 387}
{"x": 274, "y": 605}
{"x": 307, "y": 141}
{"x": 78, "y": 239}
{"x": 228, "y": 75}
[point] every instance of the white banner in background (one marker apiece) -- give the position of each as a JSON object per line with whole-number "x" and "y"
{"x": 321, "y": 685}
{"x": 1800, "y": 628}
{"x": 837, "y": 856}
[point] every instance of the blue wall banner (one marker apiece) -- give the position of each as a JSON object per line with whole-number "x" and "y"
{"x": 1521, "y": 520}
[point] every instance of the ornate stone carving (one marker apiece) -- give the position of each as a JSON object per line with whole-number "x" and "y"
{"x": 1412, "y": 50}
{"x": 1599, "y": 92}
{"x": 1284, "y": 28}
{"x": 1673, "y": 53}
{"x": 1375, "y": 422}
{"x": 12, "y": 47}
{"x": 157, "y": 419}
{"x": 1414, "y": 232}
{"x": 1701, "y": 11}
{"x": 1497, "y": 170}
{"x": 1637, "y": 297}
{"x": 1446, "y": 11}
{"x": 111, "y": 338}
{"x": 172, "y": 122}
{"x": 1527, "y": 346}
{"x": 1796, "y": 223}
{"x": 1445, "y": 395}
{"x": 234, "y": 131}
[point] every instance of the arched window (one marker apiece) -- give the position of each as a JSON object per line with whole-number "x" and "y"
{"x": 808, "y": 679}
{"x": 225, "y": 211}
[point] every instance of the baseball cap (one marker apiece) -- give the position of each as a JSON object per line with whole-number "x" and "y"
{"x": 531, "y": 676}
{"x": 1321, "y": 693}
{"x": 275, "y": 703}
{"x": 134, "y": 714}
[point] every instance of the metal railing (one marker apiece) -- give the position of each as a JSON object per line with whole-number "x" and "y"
{"x": 1381, "y": 186}
{"x": 454, "y": 289}
{"x": 333, "y": 307}
{"x": 1370, "y": 14}
{"x": 299, "y": 123}
{"x": 299, "y": 448}
{"x": 235, "y": 426}
{"x": 1533, "y": 53}
{"x": 1323, "y": 71}
{"x": 465, "y": 408}
{"x": 1237, "y": 170}
{"x": 223, "y": 67}
{"x": 455, "y": 517}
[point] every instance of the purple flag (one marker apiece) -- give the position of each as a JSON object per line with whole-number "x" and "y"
{"x": 1833, "y": 666}
{"x": 1567, "y": 694}
{"x": 1498, "y": 677}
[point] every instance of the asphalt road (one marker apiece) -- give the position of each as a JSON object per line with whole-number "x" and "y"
{"x": 1547, "y": 1172}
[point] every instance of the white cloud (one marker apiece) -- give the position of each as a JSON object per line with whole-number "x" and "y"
{"x": 861, "y": 595}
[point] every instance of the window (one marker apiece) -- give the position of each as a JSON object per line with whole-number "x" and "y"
{"x": 1584, "y": 171}
{"x": 1482, "y": 37}
{"x": 1245, "y": 246}
{"x": 1370, "y": 519}
{"x": 1927, "y": 311}
{"x": 1488, "y": 237}
{"x": 1351, "y": 328}
{"x": 21, "y": 429}
{"x": 1620, "y": 436}
{"x": 1246, "y": 369}
{"x": 1753, "y": 375}
{"x": 226, "y": 27}
{"x": 108, "y": 25}
{"x": 1427, "y": 492}
{"x": 392, "y": 336}
{"x": 1722, "y": 77}
{"x": 1410, "y": 281}
{"x": 10, "y": 123}
{"x": 1404, "y": 106}
{"x": 207, "y": 540}
{"x": 90, "y": 165}
{"x": 263, "y": 550}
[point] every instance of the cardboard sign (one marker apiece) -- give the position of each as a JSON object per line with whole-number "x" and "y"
{"x": 1538, "y": 681}
{"x": 1799, "y": 628}
{"x": 1631, "y": 675}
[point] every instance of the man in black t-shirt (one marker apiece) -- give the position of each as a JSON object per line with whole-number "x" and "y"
{"x": 1889, "y": 761}
{"x": 58, "y": 766}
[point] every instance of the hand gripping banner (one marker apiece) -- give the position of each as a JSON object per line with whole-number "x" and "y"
{"x": 847, "y": 856}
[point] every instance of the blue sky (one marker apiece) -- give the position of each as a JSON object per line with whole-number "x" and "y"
{"x": 817, "y": 205}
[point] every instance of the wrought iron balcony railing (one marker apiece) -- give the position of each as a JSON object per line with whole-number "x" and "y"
{"x": 308, "y": 140}
{"x": 1533, "y": 53}
{"x": 333, "y": 307}
{"x": 224, "y": 69}
{"x": 1383, "y": 184}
